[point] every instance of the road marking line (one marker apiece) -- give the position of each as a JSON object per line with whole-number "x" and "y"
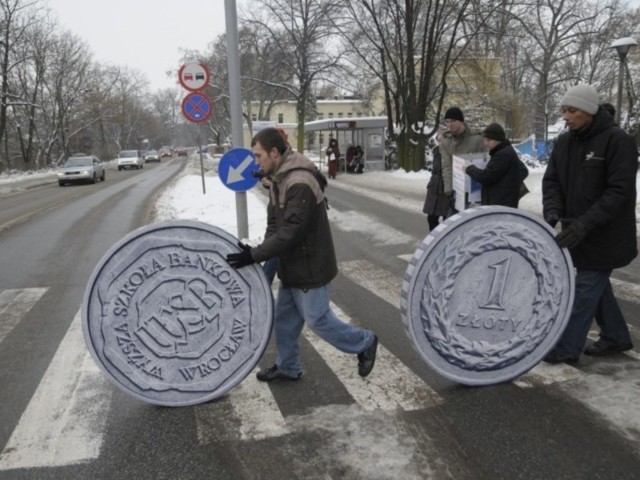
{"x": 252, "y": 405}
{"x": 14, "y": 304}
{"x": 625, "y": 291}
{"x": 546, "y": 374}
{"x": 390, "y": 386}
{"x": 65, "y": 420}
{"x": 378, "y": 281}
{"x": 375, "y": 231}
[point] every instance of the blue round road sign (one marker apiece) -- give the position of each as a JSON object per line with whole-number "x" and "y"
{"x": 236, "y": 167}
{"x": 197, "y": 107}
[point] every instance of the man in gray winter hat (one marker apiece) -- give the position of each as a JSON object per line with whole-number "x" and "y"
{"x": 590, "y": 187}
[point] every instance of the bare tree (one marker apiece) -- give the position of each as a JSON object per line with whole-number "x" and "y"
{"x": 411, "y": 46}
{"x": 557, "y": 30}
{"x": 17, "y": 18}
{"x": 302, "y": 33}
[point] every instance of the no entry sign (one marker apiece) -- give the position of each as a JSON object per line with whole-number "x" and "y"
{"x": 197, "y": 107}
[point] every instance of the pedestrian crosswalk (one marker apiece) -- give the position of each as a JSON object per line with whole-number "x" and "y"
{"x": 58, "y": 426}
{"x": 65, "y": 420}
{"x": 14, "y": 304}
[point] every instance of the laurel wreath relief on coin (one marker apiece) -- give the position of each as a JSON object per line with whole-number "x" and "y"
{"x": 439, "y": 287}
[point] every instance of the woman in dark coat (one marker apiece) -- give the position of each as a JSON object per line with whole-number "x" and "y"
{"x": 503, "y": 174}
{"x": 436, "y": 203}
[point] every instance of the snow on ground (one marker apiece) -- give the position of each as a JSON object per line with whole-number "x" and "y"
{"x": 184, "y": 199}
{"x": 406, "y": 190}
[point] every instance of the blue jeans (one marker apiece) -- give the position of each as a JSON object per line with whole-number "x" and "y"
{"x": 294, "y": 307}
{"x": 613, "y": 328}
{"x": 591, "y": 287}
{"x": 270, "y": 267}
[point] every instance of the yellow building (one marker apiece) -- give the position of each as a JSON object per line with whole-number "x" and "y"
{"x": 474, "y": 85}
{"x": 284, "y": 116}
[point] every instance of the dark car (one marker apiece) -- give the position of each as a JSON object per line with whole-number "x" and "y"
{"x": 81, "y": 169}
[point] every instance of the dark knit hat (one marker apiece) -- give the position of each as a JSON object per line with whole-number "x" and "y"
{"x": 494, "y": 131}
{"x": 583, "y": 97}
{"x": 454, "y": 113}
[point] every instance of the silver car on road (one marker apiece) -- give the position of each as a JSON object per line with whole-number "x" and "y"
{"x": 86, "y": 168}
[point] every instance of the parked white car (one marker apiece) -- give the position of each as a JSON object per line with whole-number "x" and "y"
{"x": 130, "y": 159}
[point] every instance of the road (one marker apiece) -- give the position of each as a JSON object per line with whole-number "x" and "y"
{"x": 60, "y": 419}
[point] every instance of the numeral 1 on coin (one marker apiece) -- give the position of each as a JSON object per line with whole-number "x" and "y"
{"x": 501, "y": 271}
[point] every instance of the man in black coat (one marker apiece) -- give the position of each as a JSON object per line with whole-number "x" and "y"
{"x": 503, "y": 174}
{"x": 590, "y": 187}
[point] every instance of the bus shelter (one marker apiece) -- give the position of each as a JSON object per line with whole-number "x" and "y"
{"x": 368, "y": 132}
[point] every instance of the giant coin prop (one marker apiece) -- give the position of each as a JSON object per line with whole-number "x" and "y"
{"x": 487, "y": 295}
{"x": 169, "y": 321}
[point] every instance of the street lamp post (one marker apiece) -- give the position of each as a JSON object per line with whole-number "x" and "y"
{"x": 622, "y": 46}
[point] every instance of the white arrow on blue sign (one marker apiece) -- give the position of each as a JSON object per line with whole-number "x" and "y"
{"x": 236, "y": 167}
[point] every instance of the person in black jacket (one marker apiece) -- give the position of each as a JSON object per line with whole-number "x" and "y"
{"x": 503, "y": 174}
{"x": 590, "y": 187}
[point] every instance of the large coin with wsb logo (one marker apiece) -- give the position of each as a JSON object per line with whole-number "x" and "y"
{"x": 169, "y": 321}
{"x": 487, "y": 295}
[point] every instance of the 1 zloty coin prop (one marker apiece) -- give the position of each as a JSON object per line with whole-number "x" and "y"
{"x": 169, "y": 321}
{"x": 487, "y": 295}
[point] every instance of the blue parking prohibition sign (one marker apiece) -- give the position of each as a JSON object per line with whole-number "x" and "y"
{"x": 197, "y": 107}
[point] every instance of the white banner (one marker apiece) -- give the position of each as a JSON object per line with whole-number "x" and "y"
{"x": 467, "y": 190}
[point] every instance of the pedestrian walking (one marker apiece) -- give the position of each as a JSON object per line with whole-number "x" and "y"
{"x": 299, "y": 235}
{"x": 590, "y": 188}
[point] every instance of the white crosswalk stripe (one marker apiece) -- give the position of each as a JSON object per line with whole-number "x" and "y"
{"x": 65, "y": 420}
{"x": 256, "y": 414}
{"x": 14, "y": 304}
{"x": 390, "y": 386}
{"x": 387, "y": 287}
{"x": 378, "y": 281}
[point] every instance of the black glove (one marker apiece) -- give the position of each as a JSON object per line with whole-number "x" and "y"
{"x": 552, "y": 219}
{"x": 572, "y": 235}
{"x": 242, "y": 259}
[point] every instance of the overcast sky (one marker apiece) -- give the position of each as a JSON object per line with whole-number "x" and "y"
{"x": 147, "y": 35}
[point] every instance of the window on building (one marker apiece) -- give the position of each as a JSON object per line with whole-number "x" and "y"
{"x": 254, "y": 117}
{"x": 349, "y": 114}
{"x": 330, "y": 114}
{"x": 339, "y": 114}
{"x": 320, "y": 115}
{"x": 281, "y": 118}
{"x": 321, "y": 139}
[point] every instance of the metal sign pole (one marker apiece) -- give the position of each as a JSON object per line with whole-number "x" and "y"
{"x": 233, "y": 57}
{"x": 204, "y": 190}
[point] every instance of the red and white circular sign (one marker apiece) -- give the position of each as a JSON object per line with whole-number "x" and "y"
{"x": 194, "y": 76}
